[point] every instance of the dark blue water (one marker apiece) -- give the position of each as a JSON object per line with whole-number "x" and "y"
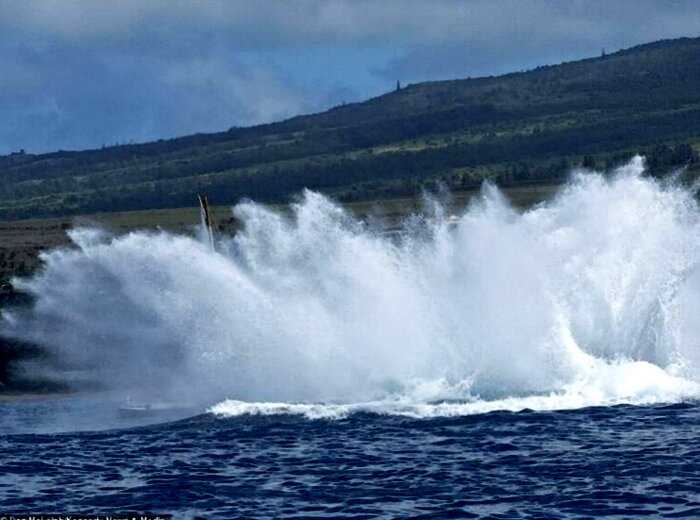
{"x": 622, "y": 461}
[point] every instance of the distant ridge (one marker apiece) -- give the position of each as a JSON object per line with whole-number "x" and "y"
{"x": 519, "y": 127}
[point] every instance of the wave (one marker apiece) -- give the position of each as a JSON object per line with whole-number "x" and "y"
{"x": 631, "y": 383}
{"x": 588, "y": 299}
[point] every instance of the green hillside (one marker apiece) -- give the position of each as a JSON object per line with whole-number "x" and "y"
{"x": 519, "y": 128}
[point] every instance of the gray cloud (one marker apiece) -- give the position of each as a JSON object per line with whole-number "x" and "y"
{"x": 68, "y": 95}
{"x": 82, "y": 73}
{"x": 504, "y": 36}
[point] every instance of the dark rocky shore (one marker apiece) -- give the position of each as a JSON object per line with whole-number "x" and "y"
{"x": 20, "y": 246}
{"x": 13, "y": 381}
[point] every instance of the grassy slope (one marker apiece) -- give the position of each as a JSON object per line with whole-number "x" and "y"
{"x": 519, "y": 127}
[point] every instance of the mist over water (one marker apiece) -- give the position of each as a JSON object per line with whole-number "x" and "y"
{"x": 592, "y": 298}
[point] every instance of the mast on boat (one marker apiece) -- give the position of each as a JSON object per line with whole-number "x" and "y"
{"x": 207, "y": 218}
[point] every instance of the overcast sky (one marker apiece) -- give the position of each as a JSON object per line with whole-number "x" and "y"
{"x": 83, "y": 73}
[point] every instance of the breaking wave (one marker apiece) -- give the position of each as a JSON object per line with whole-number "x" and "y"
{"x": 592, "y": 298}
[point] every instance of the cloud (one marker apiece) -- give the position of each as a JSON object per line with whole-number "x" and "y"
{"x": 66, "y": 97}
{"x": 496, "y": 37}
{"x": 80, "y": 73}
{"x": 267, "y": 25}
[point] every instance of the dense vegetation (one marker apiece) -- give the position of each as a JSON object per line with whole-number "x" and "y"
{"x": 523, "y": 127}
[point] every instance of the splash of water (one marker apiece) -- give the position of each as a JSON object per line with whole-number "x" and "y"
{"x": 591, "y": 298}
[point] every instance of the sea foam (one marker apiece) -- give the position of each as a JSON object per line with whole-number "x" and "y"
{"x": 588, "y": 299}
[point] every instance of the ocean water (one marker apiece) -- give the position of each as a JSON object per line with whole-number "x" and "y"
{"x": 614, "y": 462}
{"x": 492, "y": 362}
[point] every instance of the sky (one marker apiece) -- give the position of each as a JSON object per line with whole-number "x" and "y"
{"x": 78, "y": 74}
